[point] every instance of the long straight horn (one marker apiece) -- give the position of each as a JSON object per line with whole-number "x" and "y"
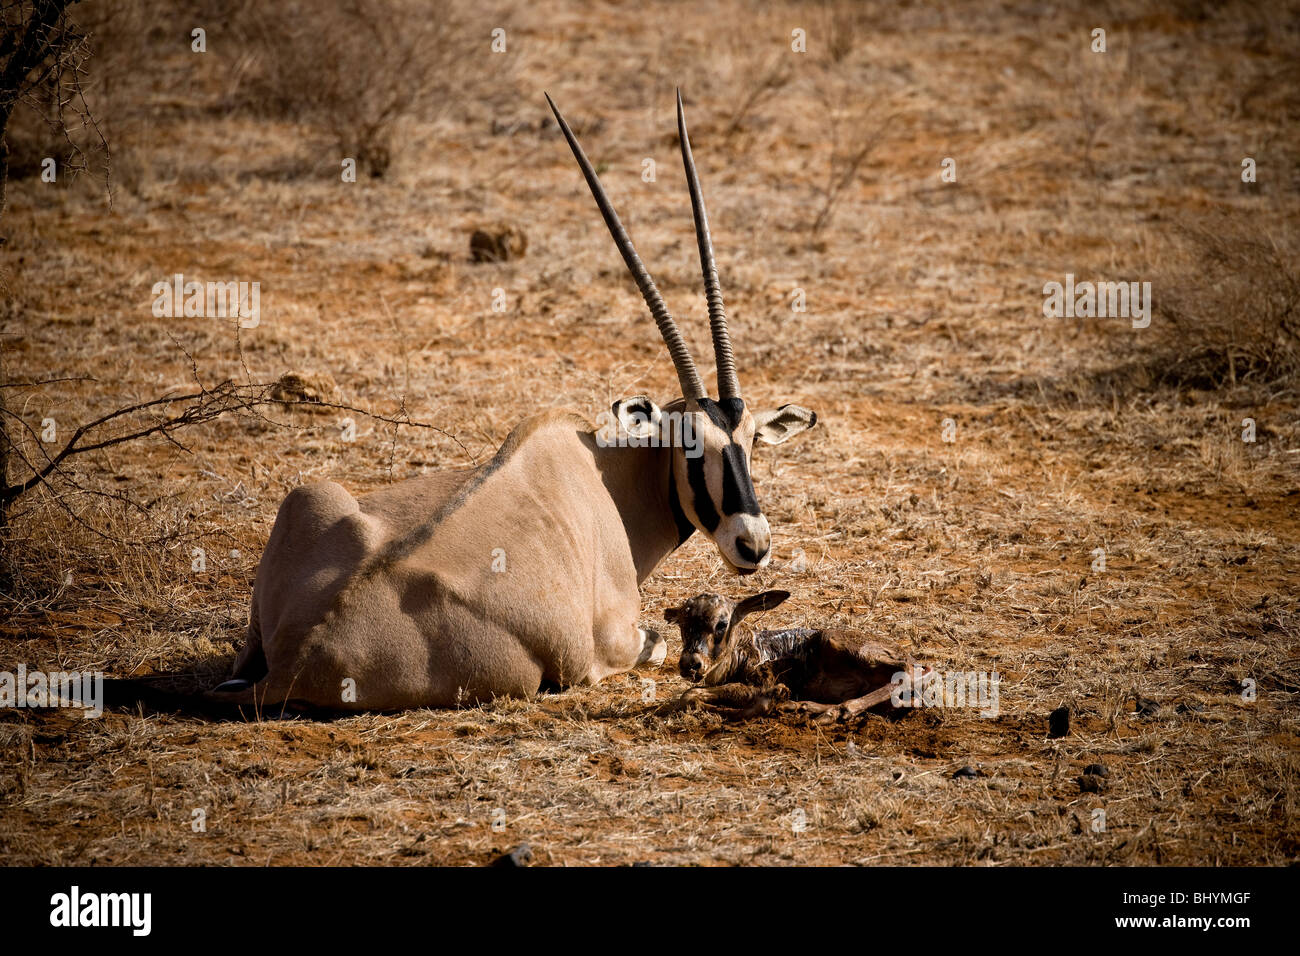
{"x": 687, "y": 375}
{"x": 728, "y": 383}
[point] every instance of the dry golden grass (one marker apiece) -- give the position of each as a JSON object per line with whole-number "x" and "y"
{"x": 924, "y": 304}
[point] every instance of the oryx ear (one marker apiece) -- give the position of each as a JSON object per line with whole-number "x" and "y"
{"x": 638, "y": 416}
{"x": 758, "y": 602}
{"x": 672, "y": 615}
{"x": 777, "y": 424}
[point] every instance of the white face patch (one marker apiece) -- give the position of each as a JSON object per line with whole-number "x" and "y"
{"x": 716, "y": 490}
{"x": 745, "y": 540}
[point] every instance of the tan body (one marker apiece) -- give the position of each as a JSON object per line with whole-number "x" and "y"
{"x": 403, "y": 591}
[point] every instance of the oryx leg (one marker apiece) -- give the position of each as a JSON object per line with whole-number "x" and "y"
{"x": 621, "y": 648}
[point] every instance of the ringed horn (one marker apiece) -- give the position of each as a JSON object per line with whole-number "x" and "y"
{"x": 687, "y": 375}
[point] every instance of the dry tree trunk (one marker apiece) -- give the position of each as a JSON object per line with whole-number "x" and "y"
{"x": 33, "y": 32}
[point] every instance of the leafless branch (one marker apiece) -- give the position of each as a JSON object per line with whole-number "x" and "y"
{"x": 205, "y": 405}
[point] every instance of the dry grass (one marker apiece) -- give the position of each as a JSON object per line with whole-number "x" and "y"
{"x": 924, "y": 304}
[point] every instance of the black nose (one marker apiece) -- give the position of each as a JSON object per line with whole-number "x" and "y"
{"x": 745, "y": 548}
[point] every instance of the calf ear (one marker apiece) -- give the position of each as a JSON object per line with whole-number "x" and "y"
{"x": 672, "y": 614}
{"x": 777, "y": 424}
{"x": 758, "y": 602}
{"x": 638, "y": 416}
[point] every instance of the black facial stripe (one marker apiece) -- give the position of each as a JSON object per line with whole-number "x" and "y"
{"x": 737, "y": 487}
{"x": 726, "y": 414}
{"x": 684, "y": 527}
{"x": 738, "y": 495}
{"x": 701, "y": 501}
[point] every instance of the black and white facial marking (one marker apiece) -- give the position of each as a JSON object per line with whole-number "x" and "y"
{"x": 714, "y": 488}
{"x": 707, "y": 622}
{"x": 711, "y": 488}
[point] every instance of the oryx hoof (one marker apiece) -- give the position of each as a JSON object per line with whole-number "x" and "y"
{"x": 830, "y": 715}
{"x": 654, "y": 648}
{"x": 232, "y": 686}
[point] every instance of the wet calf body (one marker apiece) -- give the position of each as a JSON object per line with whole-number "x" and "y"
{"x": 830, "y": 670}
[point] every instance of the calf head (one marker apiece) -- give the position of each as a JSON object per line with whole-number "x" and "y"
{"x": 708, "y": 625}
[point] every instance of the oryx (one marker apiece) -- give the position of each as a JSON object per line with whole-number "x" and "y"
{"x": 522, "y": 572}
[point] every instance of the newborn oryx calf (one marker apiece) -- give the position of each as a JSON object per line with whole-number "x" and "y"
{"x": 833, "y": 672}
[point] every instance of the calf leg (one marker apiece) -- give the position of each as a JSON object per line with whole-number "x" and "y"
{"x": 829, "y": 713}
{"x": 740, "y": 701}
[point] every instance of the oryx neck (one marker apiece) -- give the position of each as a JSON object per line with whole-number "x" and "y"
{"x": 639, "y": 481}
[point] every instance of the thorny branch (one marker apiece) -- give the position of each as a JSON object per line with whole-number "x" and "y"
{"x": 42, "y": 64}
{"x": 205, "y": 405}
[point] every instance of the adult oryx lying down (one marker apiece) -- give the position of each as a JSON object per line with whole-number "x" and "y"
{"x": 490, "y": 581}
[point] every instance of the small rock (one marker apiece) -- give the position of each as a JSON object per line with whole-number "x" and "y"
{"x": 497, "y": 244}
{"x": 1146, "y": 707}
{"x": 299, "y": 387}
{"x": 1091, "y": 783}
{"x": 521, "y": 855}
{"x": 1058, "y": 722}
{"x": 1191, "y": 707}
{"x": 1096, "y": 770}
{"x": 966, "y": 771}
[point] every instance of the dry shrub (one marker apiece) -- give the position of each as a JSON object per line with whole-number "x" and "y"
{"x": 1231, "y": 307}
{"x": 353, "y": 69}
{"x": 764, "y": 82}
{"x": 32, "y": 136}
{"x": 854, "y": 129}
{"x": 45, "y": 115}
{"x": 117, "y": 47}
